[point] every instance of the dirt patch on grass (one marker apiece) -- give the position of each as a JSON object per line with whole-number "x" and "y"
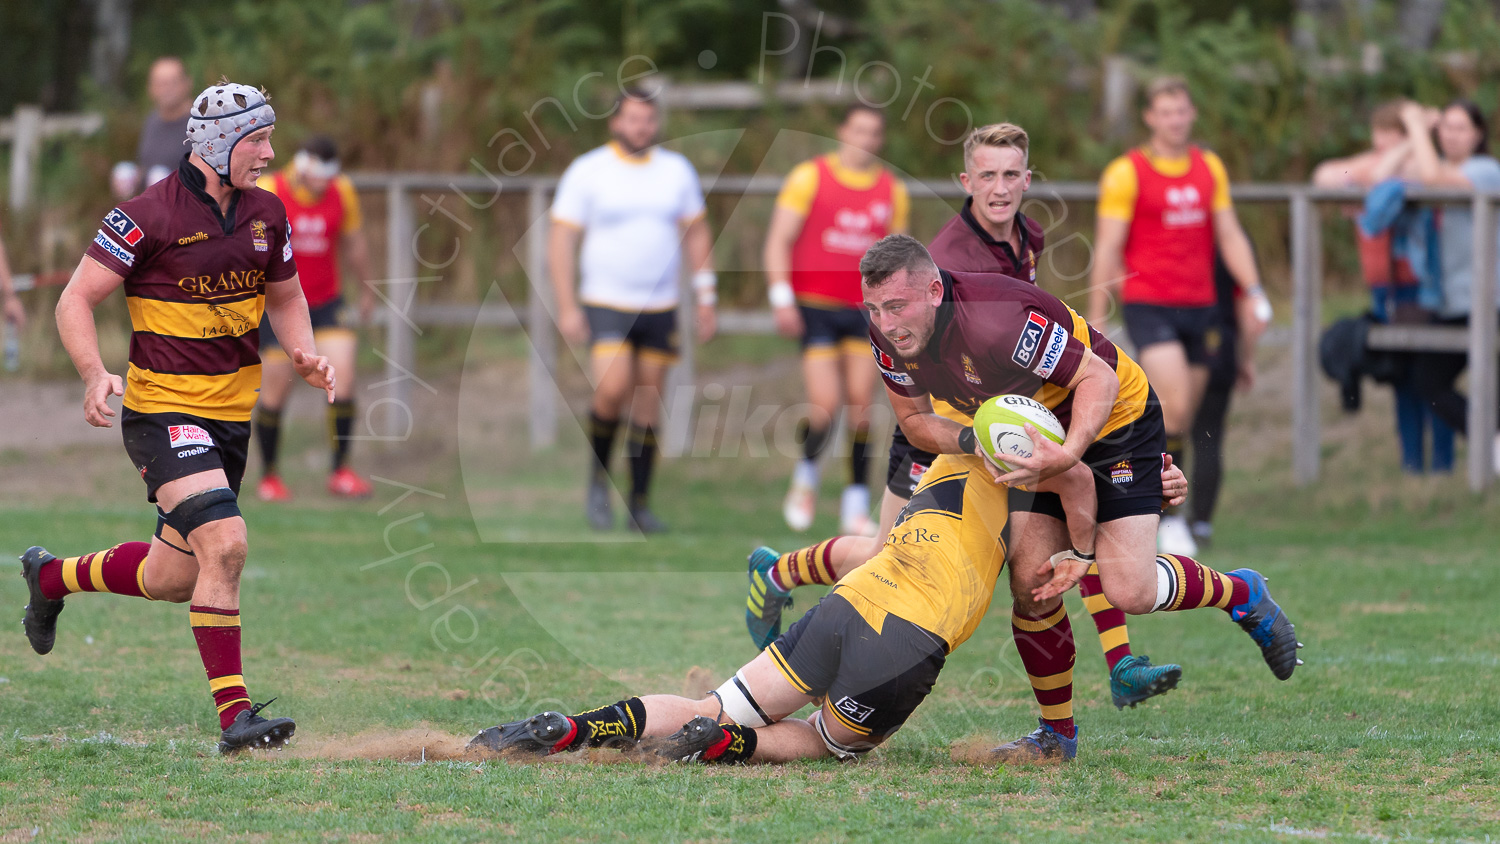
{"x": 414, "y": 745}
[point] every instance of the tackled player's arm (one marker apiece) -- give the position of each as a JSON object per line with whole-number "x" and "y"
{"x": 287, "y": 308}
{"x": 1095, "y": 386}
{"x": 91, "y": 284}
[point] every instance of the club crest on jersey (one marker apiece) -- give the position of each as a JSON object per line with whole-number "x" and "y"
{"x": 258, "y": 236}
{"x": 1031, "y": 262}
{"x": 120, "y": 223}
{"x": 1031, "y": 340}
{"x": 181, "y": 435}
{"x": 969, "y": 374}
{"x": 856, "y": 711}
{"x": 888, "y": 367}
{"x": 1122, "y": 472}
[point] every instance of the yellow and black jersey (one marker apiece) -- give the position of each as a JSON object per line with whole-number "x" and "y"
{"x": 940, "y": 562}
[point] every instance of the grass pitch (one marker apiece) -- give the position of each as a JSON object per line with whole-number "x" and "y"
{"x": 390, "y": 658}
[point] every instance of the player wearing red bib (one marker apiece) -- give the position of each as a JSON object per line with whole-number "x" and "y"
{"x": 828, "y": 213}
{"x": 201, "y": 255}
{"x": 1163, "y": 209}
{"x": 324, "y": 212}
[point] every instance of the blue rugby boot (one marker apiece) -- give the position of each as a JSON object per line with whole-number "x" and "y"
{"x": 1263, "y": 619}
{"x": 1043, "y": 745}
{"x": 1134, "y": 679}
{"x": 767, "y": 601}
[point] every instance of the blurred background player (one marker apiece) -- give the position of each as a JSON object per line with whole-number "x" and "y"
{"x": 1163, "y": 209}
{"x": 989, "y": 234}
{"x": 200, "y": 254}
{"x": 830, "y": 210}
{"x": 636, "y": 208}
{"x": 11, "y": 308}
{"x": 161, "y": 148}
{"x": 324, "y": 212}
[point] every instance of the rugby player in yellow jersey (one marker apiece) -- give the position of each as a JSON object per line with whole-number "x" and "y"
{"x": 201, "y": 254}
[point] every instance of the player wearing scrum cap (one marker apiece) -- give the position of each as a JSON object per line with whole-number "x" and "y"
{"x": 323, "y": 209}
{"x": 201, "y": 255}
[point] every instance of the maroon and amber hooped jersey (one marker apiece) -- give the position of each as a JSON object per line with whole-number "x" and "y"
{"x": 195, "y": 285}
{"x": 997, "y": 335}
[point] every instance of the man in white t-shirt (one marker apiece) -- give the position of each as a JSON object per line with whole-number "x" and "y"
{"x": 636, "y": 208}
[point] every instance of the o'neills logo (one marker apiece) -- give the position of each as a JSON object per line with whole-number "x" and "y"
{"x": 223, "y": 285}
{"x": 192, "y": 238}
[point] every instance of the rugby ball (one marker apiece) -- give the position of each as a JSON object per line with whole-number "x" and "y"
{"x": 998, "y": 426}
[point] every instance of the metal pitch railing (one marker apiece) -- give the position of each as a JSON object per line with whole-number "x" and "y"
{"x": 1301, "y": 201}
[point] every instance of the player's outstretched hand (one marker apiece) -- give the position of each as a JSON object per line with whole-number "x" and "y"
{"x": 1173, "y": 483}
{"x": 573, "y": 326}
{"x": 1047, "y": 460}
{"x": 96, "y": 393}
{"x": 788, "y": 322}
{"x": 315, "y": 370}
{"x": 1066, "y": 570}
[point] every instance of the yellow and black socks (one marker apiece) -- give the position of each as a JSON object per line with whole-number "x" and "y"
{"x": 813, "y": 440}
{"x": 120, "y": 570}
{"x": 217, "y": 632}
{"x": 340, "y": 428}
{"x": 268, "y": 435}
{"x": 806, "y": 566}
{"x": 737, "y": 746}
{"x": 1109, "y": 619}
{"x": 602, "y": 434}
{"x": 641, "y": 445}
{"x": 621, "y": 722}
{"x": 1045, "y": 643}
{"x": 1183, "y": 583}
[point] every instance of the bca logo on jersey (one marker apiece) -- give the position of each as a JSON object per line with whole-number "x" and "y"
{"x": 1184, "y": 207}
{"x": 181, "y": 435}
{"x": 121, "y": 224}
{"x": 888, "y": 367}
{"x": 1031, "y": 339}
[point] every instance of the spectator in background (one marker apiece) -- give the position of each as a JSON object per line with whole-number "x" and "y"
{"x": 830, "y": 210}
{"x": 1459, "y": 159}
{"x": 1225, "y": 347}
{"x": 161, "y": 148}
{"x": 636, "y": 209}
{"x": 1394, "y": 238}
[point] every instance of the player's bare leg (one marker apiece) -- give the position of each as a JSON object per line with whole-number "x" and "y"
{"x": 612, "y": 369}
{"x": 1139, "y": 581}
{"x": 860, "y": 376}
{"x": 755, "y": 699}
{"x": 276, "y": 378}
{"x": 822, "y": 375}
{"x": 1180, "y": 387}
{"x": 341, "y": 346}
{"x": 640, "y": 437}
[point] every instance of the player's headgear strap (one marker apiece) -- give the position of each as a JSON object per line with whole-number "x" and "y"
{"x": 222, "y": 116}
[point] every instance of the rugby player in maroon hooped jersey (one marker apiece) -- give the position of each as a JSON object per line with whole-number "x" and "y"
{"x": 989, "y": 234}
{"x": 965, "y": 337}
{"x": 201, "y": 255}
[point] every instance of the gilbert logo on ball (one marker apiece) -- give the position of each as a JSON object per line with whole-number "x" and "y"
{"x": 999, "y": 426}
